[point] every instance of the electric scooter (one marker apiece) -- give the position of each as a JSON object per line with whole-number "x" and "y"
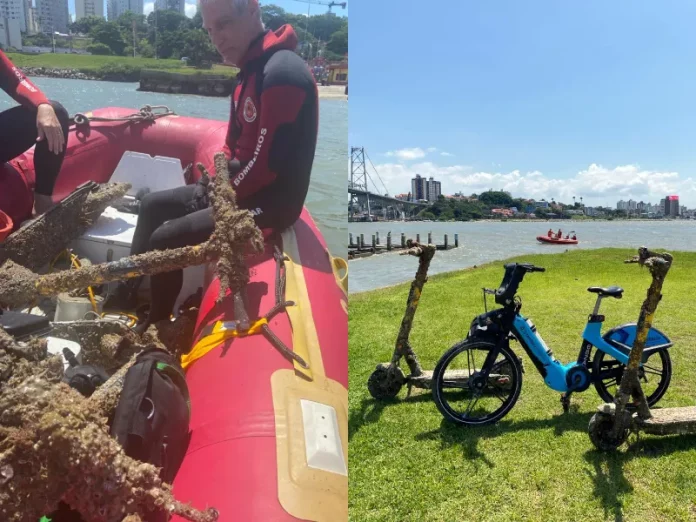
{"x": 610, "y": 426}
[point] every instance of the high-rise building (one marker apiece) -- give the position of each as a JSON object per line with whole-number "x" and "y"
{"x": 434, "y": 189}
{"x": 672, "y": 206}
{"x": 85, "y": 8}
{"x": 173, "y": 5}
{"x": 621, "y": 205}
{"x": 13, "y": 10}
{"x": 632, "y": 205}
{"x": 10, "y": 34}
{"x": 419, "y": 188}
{"x": 115, "y": 8}
{"x": 31, "y": 19}
{"x": 52, "y": 16}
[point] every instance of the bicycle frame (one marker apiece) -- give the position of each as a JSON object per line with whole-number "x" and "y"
{"x": 554, "y": 372}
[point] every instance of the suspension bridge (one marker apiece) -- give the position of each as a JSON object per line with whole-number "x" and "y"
{"x": 367, "y": 202}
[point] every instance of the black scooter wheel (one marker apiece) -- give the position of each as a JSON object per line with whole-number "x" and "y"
{"x": 385, "y": 382}
{"x": 600, "y": 428}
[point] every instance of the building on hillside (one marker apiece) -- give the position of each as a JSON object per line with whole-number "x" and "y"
{"x": 52, "y": 16}
{"x": 10, "y": 33}
{"x": 337, "y": 73}
{"x": 85, "y": 8}
{"x": 115, "y": 8}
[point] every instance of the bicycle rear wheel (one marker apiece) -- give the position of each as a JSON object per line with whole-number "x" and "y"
{"x": 655, "y": 375}
{"x": 463, "y": 396}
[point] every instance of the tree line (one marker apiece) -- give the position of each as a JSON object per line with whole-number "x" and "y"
{"x": 480, "y": 206}
{"x": 169, "y": 34}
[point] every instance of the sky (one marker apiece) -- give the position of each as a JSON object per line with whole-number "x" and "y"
{"x": 544, "y": 99}
{"x": 291, "y": 6}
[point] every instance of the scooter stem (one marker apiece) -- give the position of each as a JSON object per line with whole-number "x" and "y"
{"x": 658, "y": 264}
{"x": 424, "y": 253}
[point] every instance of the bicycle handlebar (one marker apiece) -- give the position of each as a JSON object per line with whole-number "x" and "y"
{"x": 531, "y": 268}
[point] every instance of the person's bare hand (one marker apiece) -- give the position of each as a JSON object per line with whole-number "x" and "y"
{"x": 49, "y": 129}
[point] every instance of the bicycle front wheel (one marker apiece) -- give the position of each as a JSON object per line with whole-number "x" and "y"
{"x": 464, "y": 396}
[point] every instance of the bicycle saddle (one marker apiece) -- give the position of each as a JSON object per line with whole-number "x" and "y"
{"x": 612, "y": 291}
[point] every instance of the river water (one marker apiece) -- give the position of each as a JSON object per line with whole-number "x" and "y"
{"x": 482, "y": 242}
{"x": 326, "y": 199}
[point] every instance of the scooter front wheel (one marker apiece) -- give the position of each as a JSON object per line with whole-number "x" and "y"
{"x": 464, "y": 396}
{"x": 600, "y": 428}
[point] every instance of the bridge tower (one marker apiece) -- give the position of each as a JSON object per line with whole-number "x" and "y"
{"x": 358, "y": 180}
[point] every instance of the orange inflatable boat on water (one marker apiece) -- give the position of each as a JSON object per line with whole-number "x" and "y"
{"x": 269, "y": 434}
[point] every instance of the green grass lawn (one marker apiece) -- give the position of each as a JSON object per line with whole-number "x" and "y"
{"x": 93, "y": 63}
{"x": 408, "y": 464}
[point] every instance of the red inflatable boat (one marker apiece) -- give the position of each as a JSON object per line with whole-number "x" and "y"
{"x": 269, "y": 438}
{"x": 556, "y": 241}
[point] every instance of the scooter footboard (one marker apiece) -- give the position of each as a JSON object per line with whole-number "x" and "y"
{"x": 622, "y": 337}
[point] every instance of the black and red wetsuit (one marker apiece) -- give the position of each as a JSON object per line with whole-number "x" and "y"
{"x": 18, "y": 126}
{"x": 270, "y": 143}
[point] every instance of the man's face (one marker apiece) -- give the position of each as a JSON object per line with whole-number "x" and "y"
{"x": 230, "y": 31}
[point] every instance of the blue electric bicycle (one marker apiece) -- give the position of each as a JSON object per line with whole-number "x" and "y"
{"x": 478, "y": 381}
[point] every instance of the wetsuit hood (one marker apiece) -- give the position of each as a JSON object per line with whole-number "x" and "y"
{"x": 269, "y": 42}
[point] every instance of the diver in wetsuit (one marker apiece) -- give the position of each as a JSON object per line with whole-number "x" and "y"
{"x": 35, "y": 121}
{"x": 270, "y": 143}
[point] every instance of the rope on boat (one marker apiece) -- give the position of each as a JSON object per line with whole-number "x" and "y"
{"x": 146, "y": 113}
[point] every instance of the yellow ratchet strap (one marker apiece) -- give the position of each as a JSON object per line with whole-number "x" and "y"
{"x": 220, "y": 332}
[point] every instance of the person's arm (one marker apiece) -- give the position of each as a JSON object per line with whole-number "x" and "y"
{"x": 18, "y": 86}
{"x": 283, "y": 94}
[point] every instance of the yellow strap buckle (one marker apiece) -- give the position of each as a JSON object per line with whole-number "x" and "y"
{"x": 221, "y": 332}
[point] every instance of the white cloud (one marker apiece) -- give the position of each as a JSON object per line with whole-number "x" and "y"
{"x": 148, "y": 7}
{"x": 408, "y": 154}
{"x": 443, "y": 153}
{"x": 597, "y": 185}
{"x": 190, "y": 10}
{"x": 432, "y": 149}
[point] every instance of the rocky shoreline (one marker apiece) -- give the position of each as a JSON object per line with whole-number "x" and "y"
{"x": 71, "y": 74}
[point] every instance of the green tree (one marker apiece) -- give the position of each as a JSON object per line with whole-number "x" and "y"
{"x": 145, "y": 49}
{"x": 85, "y": 25}
{"x": 338, "y": 43}
{"x": 198, "y": 48}
{"x": 496, "y": 198}
{"x": 109, "y": 34}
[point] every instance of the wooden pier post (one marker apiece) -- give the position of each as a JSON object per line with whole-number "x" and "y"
{"x": 374, "y": 242}
{"x": 430, "y": 238}
{"x": 456, "y": 240}
{"x": 362, "y": 241}
{"x": 445, "y": 241}
{"x": 403, "y": 240}
{"x": 350, "y": 240}
{"x": 378, "y": 238}
{"x": 418, "y": 238}
{"x": 389, "y": 243}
